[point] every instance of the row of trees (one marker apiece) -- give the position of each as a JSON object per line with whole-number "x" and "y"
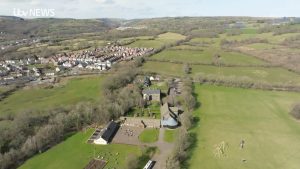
{"x": 280, "y": 29}
{"x": 215, "y": 61}
{"x": 185, "y": 139}
{"x": 226, "y": 43}
{"x": 242, "y": 82}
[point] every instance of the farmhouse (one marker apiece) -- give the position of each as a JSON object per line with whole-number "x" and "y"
{"x": 151, "y": 95}
{"x": 169, "y": 116}
{"x": 107, "y": 134}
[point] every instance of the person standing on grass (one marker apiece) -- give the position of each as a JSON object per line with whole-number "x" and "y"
{"x": 242, "y": 144}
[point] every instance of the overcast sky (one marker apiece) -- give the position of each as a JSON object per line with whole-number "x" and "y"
{"x": 154, "y": 8}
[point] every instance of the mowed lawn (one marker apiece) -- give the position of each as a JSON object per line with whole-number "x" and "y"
{"x": 206, "y": 56}
{"x": 75, "y": 153}
{"x": 75, "y": 90}
{"x": 170, "y": 135}
{"x": 149, "y": 136}
{"x": 272, "y": 136}
{"x": 255, "y": 74}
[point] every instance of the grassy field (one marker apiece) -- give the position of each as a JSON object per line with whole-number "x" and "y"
{"x": 158, "y": 42}
{"x": 170, "y": 135}
{"x": 259, "y": 117}
{"x": 206, "y": 56}
{"x": 149, "y": 136}
{"x": 75, "y": 90}
{"x": 255, "y": 74}
{"x": 75, "y": 153}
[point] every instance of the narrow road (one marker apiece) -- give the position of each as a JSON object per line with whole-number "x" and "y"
{"x": 164, "y": 150}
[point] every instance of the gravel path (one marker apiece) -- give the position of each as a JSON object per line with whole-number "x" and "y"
{"x": 164, "y": 150}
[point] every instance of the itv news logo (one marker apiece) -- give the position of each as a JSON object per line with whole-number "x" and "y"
{"x": 37, "y": 12}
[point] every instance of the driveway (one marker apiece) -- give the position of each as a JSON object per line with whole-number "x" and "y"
{"x": 129, "y": 135}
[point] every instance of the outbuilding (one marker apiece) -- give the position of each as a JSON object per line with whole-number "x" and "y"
{"x": 151, "y": 94}
{"x": 106, "y": 135}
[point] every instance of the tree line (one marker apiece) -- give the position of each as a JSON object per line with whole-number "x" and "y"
{"x": 34, "y": 132}
{"x": 242, "y": 82}
{"x": 185, "y": 138}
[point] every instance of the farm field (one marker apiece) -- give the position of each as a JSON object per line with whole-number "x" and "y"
{"x": 207, "y": 56}
{"x": 75, "y": 153}
{"x": 158, "y": 42}
{"x": 75, "y": 90}
{"x": 255, "y": 74}
{"x": 260, "y": 118}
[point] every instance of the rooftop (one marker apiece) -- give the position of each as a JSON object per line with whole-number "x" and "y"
{"x": 110, "y": 130}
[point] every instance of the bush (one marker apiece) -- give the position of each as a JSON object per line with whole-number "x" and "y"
{"x": 296, "y": 111}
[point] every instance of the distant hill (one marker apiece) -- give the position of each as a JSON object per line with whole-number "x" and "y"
{"x": 24, "y": 28}
{"x": 10, "y": 18}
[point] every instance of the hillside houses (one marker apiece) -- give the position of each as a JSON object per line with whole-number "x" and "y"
{"x": 100, "y": 59}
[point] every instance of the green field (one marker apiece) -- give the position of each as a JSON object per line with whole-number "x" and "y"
{"x": 207, "y": 56}
{"x": 158, "y": 42}
{"x": 259, "y": 117}
{"x": 249, "y": 31}
{"x": 149, "y": 136}
{"x": 255, "y": 74}
{"x": 170, "y": 135}
{"x": 74, "y": 91}
{"x": 75, "y": 153}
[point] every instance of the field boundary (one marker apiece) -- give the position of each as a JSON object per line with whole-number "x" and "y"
{"x": 212, "y": 64}
{"x": 250, "y": 85}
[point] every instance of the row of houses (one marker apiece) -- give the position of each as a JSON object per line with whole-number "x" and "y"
{"x": 100, "y": 59}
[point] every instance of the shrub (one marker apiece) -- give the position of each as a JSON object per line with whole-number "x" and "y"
{"x": 296, "y": 111}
